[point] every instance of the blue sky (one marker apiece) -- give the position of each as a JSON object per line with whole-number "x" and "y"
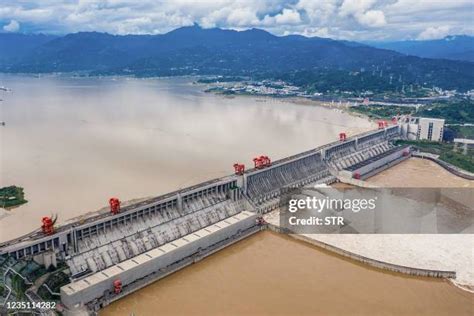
{"x": 340, "y": 19}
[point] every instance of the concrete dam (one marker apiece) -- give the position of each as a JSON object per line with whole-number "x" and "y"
{"x": 89, "y": 263}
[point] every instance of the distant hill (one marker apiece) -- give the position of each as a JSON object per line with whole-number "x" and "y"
{"x": 195, "y": 48}
{"x": 13, "y": 46}
{"x": 256, "y": 53}
{"x": 459, "y": 47}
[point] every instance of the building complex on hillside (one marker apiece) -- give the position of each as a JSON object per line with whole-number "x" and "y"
{"x": 422, "y": 128}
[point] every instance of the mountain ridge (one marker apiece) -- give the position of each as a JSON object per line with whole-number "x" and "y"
{"x": 455, "y": 47}
{"x": 193, "y": 50}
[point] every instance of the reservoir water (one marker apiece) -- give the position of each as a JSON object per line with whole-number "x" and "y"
{"x": 72, "y": 143}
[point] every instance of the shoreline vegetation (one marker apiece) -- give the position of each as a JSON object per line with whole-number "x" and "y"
{"x": 446, "y": 151}
{"x": 12, "y": 196}
{"x": 320, "y": 87}
{"x": 458, "y": 114}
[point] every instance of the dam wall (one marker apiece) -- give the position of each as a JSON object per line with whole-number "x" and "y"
{"x": 373, "y": 165}
{"x": 67, "y": 238}
{"x": 152, "y": 238}
{"x": 96, "y": 253}
{"x": 263, "y": 186}
{"x": 100, "y": 285}
{"x": 257, "y": 190}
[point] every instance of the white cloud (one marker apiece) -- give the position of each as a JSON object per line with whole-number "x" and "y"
{"x": 319, "y": 32}
{"x": 410, "y": 7}
{"x": 318, "y": 11}
{"x": 353, "y": 7}
{"x": 242, "y": 17}
{"x": 288, "y": 16}
{"x": 434, "y": 33}
{"x": 343, "y": 19}
{"x": 361, "y": 11}
{"x": 13, "y": 26}
{"x": 213, "y": 18}
{"x": 372, "y": 18}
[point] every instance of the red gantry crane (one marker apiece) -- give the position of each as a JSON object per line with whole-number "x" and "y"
{"x": 48, "y": 224}
{"x": 262, "y": 162}
{"x": 382, "y": 124}
{"x": 239, "y": 168}
{"x": 114, "y": 205}
{"x": 342, "y": 136}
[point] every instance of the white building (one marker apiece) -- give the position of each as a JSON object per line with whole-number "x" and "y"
{"x": 464, "y": 144}
{"x": 422, "y": 128}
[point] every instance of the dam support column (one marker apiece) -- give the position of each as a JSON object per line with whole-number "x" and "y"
{"x": 179, "y": 202}
{"x": 242, "y": 182}
{"x": 74, "y": 241}
{"x": 323, "y": 154}
{"x": 235, "y": 194}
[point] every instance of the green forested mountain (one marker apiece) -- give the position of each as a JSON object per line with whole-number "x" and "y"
{"x": 313, "y": 62}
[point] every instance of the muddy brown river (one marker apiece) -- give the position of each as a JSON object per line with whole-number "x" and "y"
{"x": 273, "y": 274}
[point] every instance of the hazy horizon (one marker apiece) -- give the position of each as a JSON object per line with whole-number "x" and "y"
{"x": 356, "y": 20}
{"x": 230, "y": 29}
